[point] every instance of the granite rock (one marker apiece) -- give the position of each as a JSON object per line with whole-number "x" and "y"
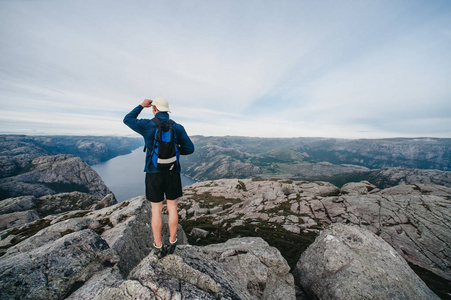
{"x": 413, "y": 219}
{"x": 17, "y": 219}
{"x": 52, "y": 270}
{"x": 243, "y": 268}
{"x": 47, "y": 175}
{"x": 348, "y": 262}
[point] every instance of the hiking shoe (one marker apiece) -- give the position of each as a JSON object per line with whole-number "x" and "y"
{"x": 172, "y": 246}
{"x": 159, "y": 252}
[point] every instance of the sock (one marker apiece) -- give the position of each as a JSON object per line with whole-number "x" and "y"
{"x": 174, "y": 241}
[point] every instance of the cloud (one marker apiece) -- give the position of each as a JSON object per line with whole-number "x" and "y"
{"x": 254, "y": 68}
{"x": 38, "y": 123}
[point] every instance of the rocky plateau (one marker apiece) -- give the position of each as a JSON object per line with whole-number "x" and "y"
{"x": 414, "y": 219}
{"x": 105, "y": 253}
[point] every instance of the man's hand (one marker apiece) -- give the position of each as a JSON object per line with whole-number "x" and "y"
{"x": 146, "y": 103}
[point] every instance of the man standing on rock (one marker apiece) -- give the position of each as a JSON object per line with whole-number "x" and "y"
{"x": 161, "y": 182}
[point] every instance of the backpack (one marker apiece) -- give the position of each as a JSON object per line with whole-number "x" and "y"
{"x": 165, "y": 153}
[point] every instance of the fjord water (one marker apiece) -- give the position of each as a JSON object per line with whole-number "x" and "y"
{"x": 124, "y": 175}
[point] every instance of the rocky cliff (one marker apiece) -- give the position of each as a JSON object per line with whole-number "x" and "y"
{"x": 106, "y": 254}
{"x": 39, "y": 166}
{"x": 47, "y": 175}
{"x": 17, "y": 151}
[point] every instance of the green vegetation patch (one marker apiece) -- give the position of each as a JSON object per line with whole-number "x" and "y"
{"x": 258, "y": 179}
{"x": 23, "y": 170}
{"x": 290, "y": 245}
{"x": 282, "y": 209}
{"x": 209, "y": 184}
{"x": 23, "y": 233}
{"x": 124, "y": 204}
{"x": 241, "y": 186}
{"x": 207, "y": 200}
{"x": 123, "y": 218}
{"x": 78, "y": 214}
{"x": 106, "y": 222}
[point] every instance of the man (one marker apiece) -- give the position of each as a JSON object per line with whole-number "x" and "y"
{"x": 160, "y": 182}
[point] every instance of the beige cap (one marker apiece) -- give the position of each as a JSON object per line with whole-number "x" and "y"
{"x": 161, "y": 104}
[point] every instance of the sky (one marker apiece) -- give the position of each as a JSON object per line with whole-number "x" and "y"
{"x": 343, "y": 69}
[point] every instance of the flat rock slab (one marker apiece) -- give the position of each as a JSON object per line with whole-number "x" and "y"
{"x": 348, "y": 262}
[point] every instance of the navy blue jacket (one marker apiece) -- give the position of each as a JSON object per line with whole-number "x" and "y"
{"x": 147, "y": 128}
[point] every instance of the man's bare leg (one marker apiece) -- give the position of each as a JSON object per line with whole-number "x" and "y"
{"x": 173, "y": 219}
{"x": 157, "y": 222}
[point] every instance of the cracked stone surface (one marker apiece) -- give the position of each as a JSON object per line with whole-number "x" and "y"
{"x": 106, "y": 253}
{"x": 414, "y": 219}
{"x": 241, "y": 268}
{"x": 55, "y": 254}
{"x": 349, "y": 262}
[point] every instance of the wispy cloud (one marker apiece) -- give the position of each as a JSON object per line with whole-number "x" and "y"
{"x": 255, "y": 68}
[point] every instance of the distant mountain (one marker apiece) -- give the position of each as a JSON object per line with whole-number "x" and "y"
{"x": 17, "y": 151}
{"x": 49, "y": 175}
{"x": 335, "y": 160}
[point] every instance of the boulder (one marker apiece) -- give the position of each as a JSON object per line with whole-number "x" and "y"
{"x": 259, "y": 267}
{"x": 22, "y": 203}
{"x": 108, "y": 200}
{"x": 242, "y": 268}
{"x": 200, "y": 233}
{"x": 17, "y": 219}
{"x": 319, "y": 188}
{"x": 167, "y": 278}
{"x": 127, "y": 230}
{"x": 348, "y": 262}
{"x": 359, "y": 188}
{"x": 52, "y": 270}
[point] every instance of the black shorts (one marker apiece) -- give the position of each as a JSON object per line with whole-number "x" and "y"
{"x": 159, "y": 184}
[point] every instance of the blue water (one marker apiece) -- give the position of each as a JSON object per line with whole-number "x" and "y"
{"x": 124, "y": 175}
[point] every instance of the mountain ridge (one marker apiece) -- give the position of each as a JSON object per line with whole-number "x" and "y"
{"x": 334, "y": 160}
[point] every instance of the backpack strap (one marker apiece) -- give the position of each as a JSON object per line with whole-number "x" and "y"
{"x": 165, "y": 126}
{"x": 157, "y": 121}
{"x": 161, "y": 124}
